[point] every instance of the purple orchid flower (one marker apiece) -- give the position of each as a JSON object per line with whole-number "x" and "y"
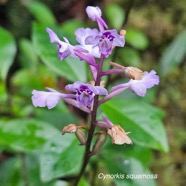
{"x": 51, "y": 98}
{"x": 65, "y": 49}
{"x": 106, "y": 41}
{"x": 82, "y": 34}
{"x": 85, "y": 92}
{"x": 140, "y": 87}
{"x": 94, "y": 13}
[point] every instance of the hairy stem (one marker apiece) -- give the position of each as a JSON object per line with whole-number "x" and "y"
{"x": 87, "y": 154}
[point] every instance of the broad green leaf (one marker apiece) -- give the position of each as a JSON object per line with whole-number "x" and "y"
{"x": 137, "y": 39}
{"x": 126, "y": 168}
{"x": 141, "y": 119}
{"x": 142, "y": 154}
{"x": 32, "y": 165}
{"x": 28, "y": 56}
{"x": 115, "y": 15}
{"x": 7, "y": 52}
{"x": 174, "y": 54}
{"x": 61, "y": 156}
{"x": 129, "y": 56}
{"x": 25, "y": 134}
{"x": 42, "y": 13}
{"x": 10, "y": 174}
{"x": 13, "y": 172}
{"x": 57, "y": 116}
{"x": 70, "y": 68}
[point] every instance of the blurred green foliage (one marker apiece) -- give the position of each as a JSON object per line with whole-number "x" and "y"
{"x": 30, "y": 138}
{"x": 174, "y": 54}
{"x": 7, "y": 52}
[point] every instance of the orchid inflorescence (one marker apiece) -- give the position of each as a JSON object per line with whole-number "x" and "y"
{"x": 93, "y": 47}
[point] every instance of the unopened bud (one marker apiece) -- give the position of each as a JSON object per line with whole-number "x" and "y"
{"x": 80, "y": 136}
{"x": 134, "y": 73}
{"x": 99, "y": 143}
{"x": 71, "y": 128}
{"x": 122, "y": 32}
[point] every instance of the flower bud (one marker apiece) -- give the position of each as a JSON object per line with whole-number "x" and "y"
{"x": 122, "y": 33}
{"x": 134, "y": 73}
{"x": 99, "y": 143}
{"x": 80, "y": 136}
{"x": 71, "y": 128}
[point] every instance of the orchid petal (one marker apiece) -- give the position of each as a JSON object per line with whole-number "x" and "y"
{"x": 151, "y": 79}
{"x": 43, "y": 99}
{"x": 138, "y": 88}
{"x": 100, "y": 90}
{"x": 53, "y": 36}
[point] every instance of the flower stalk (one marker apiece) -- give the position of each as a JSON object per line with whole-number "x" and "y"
{"x": 91, "y": 130}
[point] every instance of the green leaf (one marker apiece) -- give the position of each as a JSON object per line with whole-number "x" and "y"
{"x": 10, "y": 174}
{"x": 131, "y": 151}
{"x": 23, "y": 169}
{"x": 7, "y": 52}
{"x": 141, "y": 119}
{"x": 32, "y": 165}
{"x": 137, "y": 39}
{"x": 61, "y": 156}
{"x": 28, "y": 56}
{"x": 174, "y": 54}
{"x": 42, "y": 13}
{"x": 55, "y": 116}
{"x": 117, "y": 20}
{"x": 126, "y": 168}
{"x": 70, "y": 68}
{"x": 25, "y": 134}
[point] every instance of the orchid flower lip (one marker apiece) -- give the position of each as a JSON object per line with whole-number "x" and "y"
{"x": 105, "y": 41}
{"x": 85, "y": 92}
